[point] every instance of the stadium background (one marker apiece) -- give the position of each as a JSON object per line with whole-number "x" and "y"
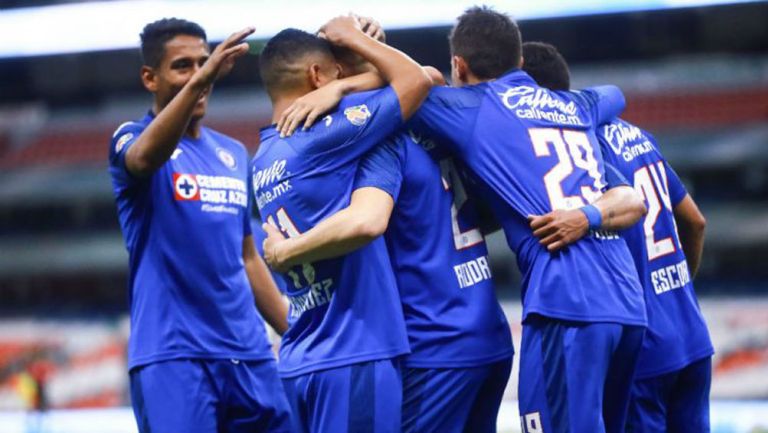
{"x": 695, "y": 76}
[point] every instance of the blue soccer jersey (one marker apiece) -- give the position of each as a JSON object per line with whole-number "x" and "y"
{"x": 535, "y": 151}
{"x": 439, "y": 256}
{"x": 344, "y": 310}
{"x": 184, "y": 228}
{"x": 677, "y": 334}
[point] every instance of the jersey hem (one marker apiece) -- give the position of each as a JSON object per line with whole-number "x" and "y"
{"x": 169, "y": 356}
{"x": 327, "y": 364}
{"x": 679, "y": 365}
{"x": 461, "y": 363}
{"x": 590, "y": 319}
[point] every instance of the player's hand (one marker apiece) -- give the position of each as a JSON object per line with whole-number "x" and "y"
{"x": 559, "y": 228}
{"x": 309, "y": 107}
{"x": 271, "y": 246}
{"x": 372, "y": 28}
{"x": 223, "y": 57}
{"x": 339, "y": 30}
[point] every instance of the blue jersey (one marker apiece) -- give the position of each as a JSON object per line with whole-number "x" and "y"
{"x": 344, "y": 310}
{"x": 677, "y": 334}
{"x": 535, "y": 151}
{"x": 439, "y": 256}
{"x": 184, "y": 228}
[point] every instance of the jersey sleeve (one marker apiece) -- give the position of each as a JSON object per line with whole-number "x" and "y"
{"x": 361, "y": 121}
{"x": 677, "y": 191}
{"x": 448, "y": 115}
{"x": 613, "y": 176}
{"x": 382, "y": 167}
{"x": 604, "y": 102}
{"x": 122, "y": 139}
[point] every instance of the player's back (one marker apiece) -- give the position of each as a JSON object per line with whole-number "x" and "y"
{"x": 440, "y": 260}
{"x": 343, "y": 310}
{"x": 676, "y": 332}
{"x": 535, "y": 151}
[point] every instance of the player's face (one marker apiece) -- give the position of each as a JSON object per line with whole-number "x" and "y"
{"x": 184, "y": 55}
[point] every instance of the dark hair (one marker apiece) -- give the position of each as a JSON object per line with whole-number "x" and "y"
{"x": 488, "y": 41}
{"x": 278, "y": 62}
{"x": 546, "y": 66}
{"x": 156, "y": 34}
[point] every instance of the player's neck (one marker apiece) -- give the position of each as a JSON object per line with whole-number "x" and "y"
{"x": 281, "y": 102}
{"x": 193, "y": 129}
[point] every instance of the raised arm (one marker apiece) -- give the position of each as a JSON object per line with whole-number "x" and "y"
{"x": 365, "y": 219}
{"x": 157, "y": 142}
{"x": 269, "y": 301}
{"x": 406, "y": 77}
{"x": 690, "y": 226}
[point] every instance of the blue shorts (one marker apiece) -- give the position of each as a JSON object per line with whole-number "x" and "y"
{"x": 209, "y": 396}
{"x": 674, "y": 402}
{"x": 357, "y": 398}
{"x": 447, "y": 400}
{"x": 576, "y": 376}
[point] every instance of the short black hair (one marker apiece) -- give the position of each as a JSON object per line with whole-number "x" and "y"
{"x": 544, "y": 63}
{"x": 489, "y": 42}
{"x": 279, "y": 60}
{"x": 156, "y": 34}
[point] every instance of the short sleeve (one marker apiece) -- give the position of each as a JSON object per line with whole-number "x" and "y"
{"x": 448, "y": 115}
{"x": 122, "y": 139}
{"x": 382, "y": 167}
{"x": 677, "y": 191}
{"x": 361, "y": 121}
{"x": 604, "y": 102}
{"x": 613, "y": 177}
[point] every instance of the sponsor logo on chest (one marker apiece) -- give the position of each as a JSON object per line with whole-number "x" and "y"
{"x": 215, "y": 193}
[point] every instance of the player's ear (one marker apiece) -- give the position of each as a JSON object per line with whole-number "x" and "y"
{"x": 459, "y": 70}
{"x": 315, "y": 74}
{"x": 149, "y": 78}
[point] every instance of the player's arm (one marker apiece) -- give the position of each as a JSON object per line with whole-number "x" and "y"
{"x": 407, "y": 78}
{"x": 618, "y": 208}
{"x": 157, "y": 142}
{"x": 365, "y": 219}
{"x": 269, "y": 301}
{"x": 607, "y": 102}
{"x": 690, "y": 226}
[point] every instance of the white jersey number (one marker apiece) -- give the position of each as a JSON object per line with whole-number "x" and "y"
{"x": 572, "y": 148}
{"x": 651, "y": 183}
{"x": 452, "y": 181}
{"x": 286, "y": 225}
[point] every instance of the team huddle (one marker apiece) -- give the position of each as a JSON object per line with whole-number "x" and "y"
{"x": 375, "y": 186}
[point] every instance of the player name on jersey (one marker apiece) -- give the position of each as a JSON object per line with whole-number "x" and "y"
{"x": 670, "y": 277}
{"x": 472, "y": 272}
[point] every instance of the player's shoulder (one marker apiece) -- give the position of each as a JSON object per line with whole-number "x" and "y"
{"x": 130, "y": 129}
{"x": 366, "y": 96}
{"x": 130, "y": 126}
{"x": 125, "y": 134}
{"x": 224, "y": 140}
{"x": 457, "y": 97}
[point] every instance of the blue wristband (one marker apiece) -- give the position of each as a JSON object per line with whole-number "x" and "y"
{"x": 593, "y": 216}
